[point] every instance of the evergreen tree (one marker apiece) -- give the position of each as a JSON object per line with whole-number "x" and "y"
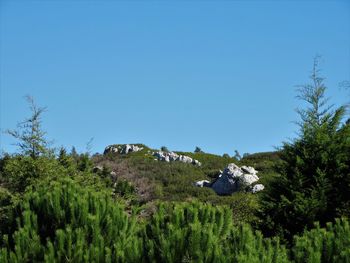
{"x": 29, "y": 133}
{"x": 85, "y": 164}
{"x": 74, "y": 154}
{"x": 19, "y": 172}
{"x": 64, "y": 159}
{"x": 315, "y": 172}
{"x": 198, "y": 150}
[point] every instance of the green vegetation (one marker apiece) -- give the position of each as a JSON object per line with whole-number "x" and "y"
{"x": 60, "y": 221}
{"x": 315, "y": 171}
{"x": 57, "y": 206}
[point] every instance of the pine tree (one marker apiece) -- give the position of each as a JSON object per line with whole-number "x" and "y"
{"x": 198, "y": 150}
{"x": 29, "y": 133}
{"x": 315, "y": 171}
{"x": 59, "y": 221}
{"x": 74, "y": 154}
{"x": 330, "y": 244}
{"x": 64, "y": 159}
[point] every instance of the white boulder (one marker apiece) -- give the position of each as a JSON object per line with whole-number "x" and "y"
{"x": 202, "y": 183}
{"x": 225, "y": 185}
{"x": 249, "y": 169}
{"x": 248, "y": 179}
{"x": 258, "y": 188}
{"x": 235, "y": 178}
{"x": 233, "y": 170}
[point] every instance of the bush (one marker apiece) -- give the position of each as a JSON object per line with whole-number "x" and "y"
{"x": 60, "y": 221}
{"x": 197, "y": 232}
{"x": 330, "y": 244}
{"x": 63, "y": 222}
{"x": 18, "y": 172}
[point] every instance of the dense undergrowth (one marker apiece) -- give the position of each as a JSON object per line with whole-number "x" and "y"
{"x": 61, "y": 221}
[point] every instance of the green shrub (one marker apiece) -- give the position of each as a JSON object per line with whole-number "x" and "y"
{"x": 197, "y": 232}
{"x": 63, "y": 222}
{"x": 330, "y": 244}
{"x": 21, "y": 171}
{"x": 60, "y": 221}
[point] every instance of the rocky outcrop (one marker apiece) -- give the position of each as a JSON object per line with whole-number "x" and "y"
{"x": 174, "y": 157}
{"x": 122, "y": 149}
{"x": 233, "y": 179}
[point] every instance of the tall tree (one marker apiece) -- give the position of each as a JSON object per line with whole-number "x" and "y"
{"x": 29, "y": 133}
{"x": 315, "y": 174}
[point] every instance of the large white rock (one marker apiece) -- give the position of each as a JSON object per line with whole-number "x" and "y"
{"x": 235, "y": 178}
{"x": 225, "y": 185}
{"x": 248, "y": 179}
{"x": 233, "y": 170}
{"x": 249, "y": 169}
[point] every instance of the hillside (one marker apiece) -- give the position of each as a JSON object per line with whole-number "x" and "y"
{"x": 174, "y": 181}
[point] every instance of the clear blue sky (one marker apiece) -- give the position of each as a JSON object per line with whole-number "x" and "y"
{"x": 220, "y": 75}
